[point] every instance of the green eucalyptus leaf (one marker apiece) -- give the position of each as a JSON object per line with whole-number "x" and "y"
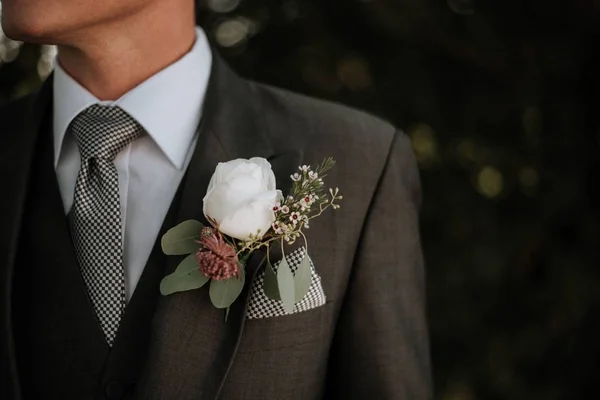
{"x": 223, "y": 293}
{"x": 182, "y": 238}
{"x": 187, "y": 276}
{"x": 302, "y": 279}
{"x": 271, "y": 285}
{"x": 285, "y": 281}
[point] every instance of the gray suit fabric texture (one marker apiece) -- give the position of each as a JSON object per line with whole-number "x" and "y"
{"x": 368, "y": 341}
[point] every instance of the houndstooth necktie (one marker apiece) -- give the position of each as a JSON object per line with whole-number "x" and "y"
{"x": 95, "y": 218}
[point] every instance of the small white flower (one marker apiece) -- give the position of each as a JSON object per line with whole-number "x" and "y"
{"x": 277, "y": 207}
{"x": 304, "y": 168}
{"x": 296, "y": 177}
{"x": 307, "y": 201}
{"x": 277, "y": 228}
{"x": 285, "y": 209}
{"x": 295, "y": 217}
{"x": 313, "y": 175}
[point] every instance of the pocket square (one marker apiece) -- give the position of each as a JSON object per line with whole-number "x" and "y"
{"x": 262, "y": 306}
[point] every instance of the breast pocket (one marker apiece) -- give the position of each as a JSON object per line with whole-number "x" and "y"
{"x": 261, "y": 306}
{"x": 286, "y": 331}
{"x": 282, "y": 357}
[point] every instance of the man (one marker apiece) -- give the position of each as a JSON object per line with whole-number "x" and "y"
{"x": 117, "y": 147}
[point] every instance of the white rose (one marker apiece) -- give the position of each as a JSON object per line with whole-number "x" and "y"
{"x": 241, "y": 196}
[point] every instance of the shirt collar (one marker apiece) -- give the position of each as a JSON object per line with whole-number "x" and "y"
{"x": 168, "y": 105}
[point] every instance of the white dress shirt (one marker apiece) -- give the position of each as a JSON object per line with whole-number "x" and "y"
{"x": 168, "y": 105}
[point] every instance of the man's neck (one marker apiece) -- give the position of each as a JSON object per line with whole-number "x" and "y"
{"x": 111, "y": 60}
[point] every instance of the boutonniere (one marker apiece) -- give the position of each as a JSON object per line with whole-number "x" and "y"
{"x": 246, "y": 212}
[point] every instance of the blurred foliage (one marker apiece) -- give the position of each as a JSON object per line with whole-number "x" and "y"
{"x": 500, "y": 99}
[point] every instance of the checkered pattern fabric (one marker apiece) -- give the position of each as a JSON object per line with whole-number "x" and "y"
{"x": 263, "y": 307}
{"x": 95, "y": 218}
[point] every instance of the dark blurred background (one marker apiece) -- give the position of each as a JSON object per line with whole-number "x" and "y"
{"x": 500, "y": 99}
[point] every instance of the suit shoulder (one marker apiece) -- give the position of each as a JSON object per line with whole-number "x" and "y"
{"x": 321, "y": 120}
{"x": 361, "y": 143}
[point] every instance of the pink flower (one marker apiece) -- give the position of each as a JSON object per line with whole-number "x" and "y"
{"x": 285, "y": 209}
{"x": 217, "y": 259}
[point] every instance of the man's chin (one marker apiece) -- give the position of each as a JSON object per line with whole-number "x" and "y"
{"x": 26, "y": 31}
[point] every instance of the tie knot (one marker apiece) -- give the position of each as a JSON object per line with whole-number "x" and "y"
{"x": 102, "y": 131}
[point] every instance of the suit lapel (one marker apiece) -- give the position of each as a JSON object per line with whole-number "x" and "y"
{"x": 21, "y": 121}
{"x": 192, "y": 346}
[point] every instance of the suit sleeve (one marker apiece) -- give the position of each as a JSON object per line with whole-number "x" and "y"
{"x": 380, "y": 348}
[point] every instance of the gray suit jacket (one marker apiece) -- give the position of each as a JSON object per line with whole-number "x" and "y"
{"x": 368, "y": 341}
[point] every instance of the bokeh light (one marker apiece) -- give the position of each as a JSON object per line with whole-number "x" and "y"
{"x": 529, "y": 179}
{"x": 222, "y": 6}
{"x": 424, "y": 144}
{"x": 233, "y": 31}
{"x": 354, "y": 73}
{"x": 490, "y": 182}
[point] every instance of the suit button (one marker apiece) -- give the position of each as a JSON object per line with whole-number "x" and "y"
{"x": 114, "y": 390}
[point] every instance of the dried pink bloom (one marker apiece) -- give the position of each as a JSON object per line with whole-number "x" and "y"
{"x": 217, "y": 258}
